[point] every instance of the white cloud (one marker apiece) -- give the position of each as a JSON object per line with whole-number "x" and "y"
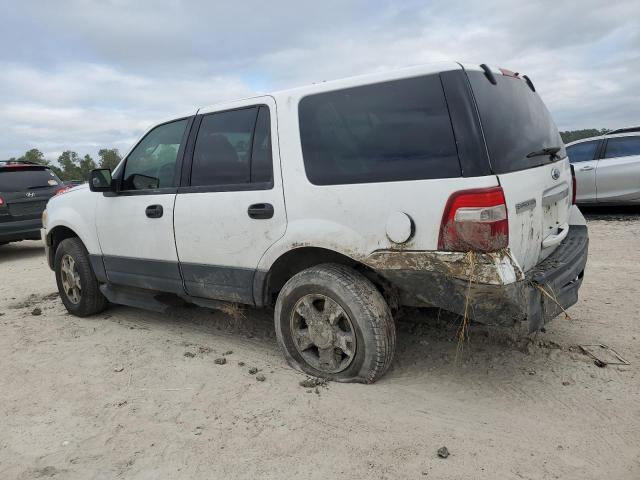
{"x": 97, "y": 73}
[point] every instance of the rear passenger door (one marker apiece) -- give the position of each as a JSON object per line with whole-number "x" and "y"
{"x": 230, "y": 208}
{"x": 583, "y": 156}
{"x": 618, "y": 174}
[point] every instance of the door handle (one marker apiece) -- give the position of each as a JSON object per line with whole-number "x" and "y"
{"x": 260, "y": 211}
{"x": 154, "y": 211}
{"x": 586, "y": 168}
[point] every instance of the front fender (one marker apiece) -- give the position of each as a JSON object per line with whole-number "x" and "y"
{"x": 75, "y": 210}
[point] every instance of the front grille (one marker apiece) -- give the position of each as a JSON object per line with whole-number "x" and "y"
{"x": 26, "y": 208}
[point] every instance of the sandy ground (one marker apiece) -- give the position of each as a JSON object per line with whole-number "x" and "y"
{"x": 133, "y": 394}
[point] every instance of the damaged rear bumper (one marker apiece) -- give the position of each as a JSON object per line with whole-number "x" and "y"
{"x": 498, "y": 293}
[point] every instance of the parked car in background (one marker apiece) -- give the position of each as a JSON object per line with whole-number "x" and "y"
{"x": 25, "y": 188}
{"x": 607, "y": 168}
{"x": 335, "y": 203}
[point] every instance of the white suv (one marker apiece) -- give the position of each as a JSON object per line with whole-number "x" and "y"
{"x": 337, "y": 203}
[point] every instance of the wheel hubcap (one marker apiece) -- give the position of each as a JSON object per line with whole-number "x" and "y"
{"x": 70, "y": 279}
{"x": 323, "y": 333}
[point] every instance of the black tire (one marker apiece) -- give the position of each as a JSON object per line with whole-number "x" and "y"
{"x": 91, "y": 300}
{"x": 367, "y": 314}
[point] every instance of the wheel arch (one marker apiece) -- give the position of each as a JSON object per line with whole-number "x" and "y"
{"x": 267, "y": 284}
{"x": 55, "y": 236}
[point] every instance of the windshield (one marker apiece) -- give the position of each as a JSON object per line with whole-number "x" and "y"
{"x": 18, "y": 179}
{"x": 516, "y": 123}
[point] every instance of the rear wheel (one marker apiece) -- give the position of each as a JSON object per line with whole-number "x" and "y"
{"x": 77, "y": 284}
{"x": 332, "y": 322}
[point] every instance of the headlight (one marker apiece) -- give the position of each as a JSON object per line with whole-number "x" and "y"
{"x": 44, "y": 218}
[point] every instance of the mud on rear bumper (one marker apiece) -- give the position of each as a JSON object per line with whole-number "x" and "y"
{"x": 498, "y": 293}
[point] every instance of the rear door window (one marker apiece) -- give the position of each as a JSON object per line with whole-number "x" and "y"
{"x": 233, "y": 148}
{"x": 582, "y": 152}
{"x": 392, "y": 131}
{"x": 622, "y": 147}
{"x": 515, "y": 122}
{"x": 18, "y": 179}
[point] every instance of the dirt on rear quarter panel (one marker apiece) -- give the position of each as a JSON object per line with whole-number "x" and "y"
{"x": 497, "y": 268}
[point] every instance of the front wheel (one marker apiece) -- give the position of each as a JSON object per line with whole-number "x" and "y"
{"x": 332, "y": 322}
{"x": 77, "y": 284}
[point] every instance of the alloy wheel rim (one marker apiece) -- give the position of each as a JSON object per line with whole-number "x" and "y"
{"x": 70, "y": 279}
{"x": 323, "y": 333}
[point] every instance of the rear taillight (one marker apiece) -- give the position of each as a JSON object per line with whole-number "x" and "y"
{"x": 1, "y": 201}
{"x": 475, "y": 220}
{"x": 62, "y": 190}
{"x": 573, "y": 186}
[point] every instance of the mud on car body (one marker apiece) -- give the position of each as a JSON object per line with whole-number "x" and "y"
{"x": 336, "y": 203}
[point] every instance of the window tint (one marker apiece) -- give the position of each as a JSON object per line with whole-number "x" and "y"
{"x": 390, "y": 131}
{"x": 515, "y": 122}
{"x": 18, "y": 179}
{"x": 152, "y": 164}
{"x": 623, "y": 147}
{"x": 222, "y": 152}
{"x": 582, "y": 152}
{"x": 261, "y": 162}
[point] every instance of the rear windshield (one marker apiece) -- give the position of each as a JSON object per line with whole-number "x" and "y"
{"x": 398, "y": 130}
{"x": 515, "y": 122}
{"x": 16, "y": 179}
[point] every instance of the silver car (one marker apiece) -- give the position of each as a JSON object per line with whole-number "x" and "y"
{"x": 607, "y": 168}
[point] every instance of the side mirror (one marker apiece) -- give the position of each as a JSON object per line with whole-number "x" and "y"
{"x": 100, "y": 180}
{"x": 143, "y": 182}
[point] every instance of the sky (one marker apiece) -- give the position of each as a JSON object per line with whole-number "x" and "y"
{"x": 88, "y": 74}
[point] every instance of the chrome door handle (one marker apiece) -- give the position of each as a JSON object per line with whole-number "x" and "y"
{"x": 587, "y": 168}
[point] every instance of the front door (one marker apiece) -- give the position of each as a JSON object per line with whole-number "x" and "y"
{"x": 231, "y": 209}
{"x": 135, "y": 224}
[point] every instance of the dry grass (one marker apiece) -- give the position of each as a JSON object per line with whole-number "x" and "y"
{"x": 553, "y": 299}
{"x": 463, "y": 332}
{"x": 233, "y": 310}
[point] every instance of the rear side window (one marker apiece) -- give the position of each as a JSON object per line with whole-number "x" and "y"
{"x": 582, "y": 152}
{"x": 515, "y": 123}
{"x": 16, "y": 179}
{"x": 233, "y": 148}
{"x": 622, "y": 147}
{"x": 390, "y": 131}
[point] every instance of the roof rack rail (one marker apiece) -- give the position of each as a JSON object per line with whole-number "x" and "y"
{"x": 625, "y": 130}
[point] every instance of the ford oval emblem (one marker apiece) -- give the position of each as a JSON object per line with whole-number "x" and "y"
{"x": 555, "y": 174}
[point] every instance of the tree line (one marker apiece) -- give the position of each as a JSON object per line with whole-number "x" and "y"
{"x": 70, "y": 166}
{"x": 573, "y": 135}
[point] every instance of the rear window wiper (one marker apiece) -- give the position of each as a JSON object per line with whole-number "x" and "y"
{"x": 551, "y": 152}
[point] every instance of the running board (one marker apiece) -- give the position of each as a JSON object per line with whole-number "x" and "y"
{"x": 153, "y": 300}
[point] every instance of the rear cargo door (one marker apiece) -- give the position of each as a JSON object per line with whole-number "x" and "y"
{"x": 529, "y": 159}
{"x": 25, "y": 191}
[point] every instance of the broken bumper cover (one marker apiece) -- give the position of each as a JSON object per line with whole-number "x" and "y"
{"x": 500, "y": 303}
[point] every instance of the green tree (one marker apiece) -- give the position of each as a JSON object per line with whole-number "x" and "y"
{"x": 86, "y": 165}
{"x": 34, "y": 155}
{"x": 573, "y": 135}
{"x": 109, "y": 158}
{"x": 70, "y": 165}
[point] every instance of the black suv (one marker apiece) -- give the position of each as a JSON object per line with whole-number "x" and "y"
{"x": 25, "y": 188}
